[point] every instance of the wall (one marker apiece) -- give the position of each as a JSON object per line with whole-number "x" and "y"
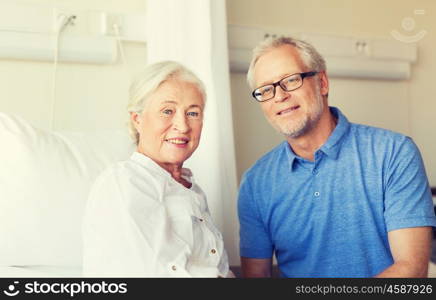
{"x": 404, "y": 106}
{"x": 423, "y": 99}
{"x": 89, "y": 96}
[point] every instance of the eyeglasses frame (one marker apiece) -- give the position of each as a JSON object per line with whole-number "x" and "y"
{"x": 277, "y": 83}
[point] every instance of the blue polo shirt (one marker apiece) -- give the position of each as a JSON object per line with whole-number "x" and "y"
{"x": 330, "y": 217}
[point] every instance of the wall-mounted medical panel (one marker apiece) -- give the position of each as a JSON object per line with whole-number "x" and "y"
{"x": 346, "y": 57}
{"x": 31, "y": 31}
{"x": 25, "y": 18}
{"x": 40, "y": 47}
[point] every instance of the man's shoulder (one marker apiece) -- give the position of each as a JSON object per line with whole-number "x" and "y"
{"x": 382, "y": 142}
{"x": 377, "y": 134}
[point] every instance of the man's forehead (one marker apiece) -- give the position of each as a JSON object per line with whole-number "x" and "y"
{"x": 276, "y": 64}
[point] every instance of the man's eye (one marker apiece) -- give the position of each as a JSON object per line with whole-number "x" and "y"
{"x": 193, "y": 114}
{"x": 292, "y": 79}
{"x": 266, "y": 90}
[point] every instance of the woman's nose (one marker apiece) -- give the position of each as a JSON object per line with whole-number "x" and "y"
{"x": 180, "y": 123}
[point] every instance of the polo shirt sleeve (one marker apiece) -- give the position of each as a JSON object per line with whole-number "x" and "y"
{"x": 408, "y": 201}
{"x": 254, "y": 238}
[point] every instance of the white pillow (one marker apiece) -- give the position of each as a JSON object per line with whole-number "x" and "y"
{"x": 45, "y": 178}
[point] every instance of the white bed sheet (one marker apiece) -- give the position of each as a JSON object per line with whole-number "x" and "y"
{"x": 39, "y": 271}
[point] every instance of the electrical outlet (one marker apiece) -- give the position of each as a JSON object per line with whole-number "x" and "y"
{"x": 131, "y": 27}
{"x": 113, "y": 21}
{"x": 73, "y": 21}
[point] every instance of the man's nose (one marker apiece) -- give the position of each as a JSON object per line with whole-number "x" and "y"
{"x": 281, "y": 95}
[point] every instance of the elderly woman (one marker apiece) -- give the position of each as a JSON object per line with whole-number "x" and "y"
{"x": 146, "y": 217}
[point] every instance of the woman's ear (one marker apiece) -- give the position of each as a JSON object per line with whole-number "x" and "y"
{"x": 134, "y": 116}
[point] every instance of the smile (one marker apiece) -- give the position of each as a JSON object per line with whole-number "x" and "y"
{"x": 177, "y": 141}
{"x": 288, "y": 110}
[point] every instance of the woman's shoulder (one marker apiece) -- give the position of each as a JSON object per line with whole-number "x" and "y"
{"x": 129, "y": 178}
{"x": 113, "y": 172}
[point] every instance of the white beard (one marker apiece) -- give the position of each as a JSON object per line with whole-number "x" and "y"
{"x": 309, "y": 120}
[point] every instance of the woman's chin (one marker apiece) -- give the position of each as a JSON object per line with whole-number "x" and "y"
{"x": 176, "y": 160}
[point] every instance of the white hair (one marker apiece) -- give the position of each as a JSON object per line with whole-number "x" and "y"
{"x": 310, "y": 56}
{"x": 150, "y": 79}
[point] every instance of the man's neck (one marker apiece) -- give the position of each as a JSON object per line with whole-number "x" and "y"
{"x": 305, "y": 146}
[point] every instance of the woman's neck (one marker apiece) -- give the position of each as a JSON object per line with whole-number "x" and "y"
{"x": 175, "y": 171}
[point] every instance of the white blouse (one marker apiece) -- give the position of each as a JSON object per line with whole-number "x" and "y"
{"x": 140, "y": 222}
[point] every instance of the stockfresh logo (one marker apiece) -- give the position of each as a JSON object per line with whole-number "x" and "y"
{"x": 12, "y": 290}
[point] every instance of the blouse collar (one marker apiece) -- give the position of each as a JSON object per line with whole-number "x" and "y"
{"x": 151, "y": 164}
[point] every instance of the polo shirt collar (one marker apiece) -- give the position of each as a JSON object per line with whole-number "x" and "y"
{"x": 289, "y": 153}
{"x": 332, "y": 146}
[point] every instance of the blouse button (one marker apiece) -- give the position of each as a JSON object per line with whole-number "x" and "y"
{"x": 173, "y": 268}
{"x": 201, "y": 220}
{"x": 213, "y": 251}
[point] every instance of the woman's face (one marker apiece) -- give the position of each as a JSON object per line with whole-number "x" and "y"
{"x": 170, "y": 125}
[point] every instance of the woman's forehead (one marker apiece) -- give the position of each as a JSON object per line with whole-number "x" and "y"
{"x": 177, "y": 91}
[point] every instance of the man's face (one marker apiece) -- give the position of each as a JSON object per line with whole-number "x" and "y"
{"x": 297, "y": 112}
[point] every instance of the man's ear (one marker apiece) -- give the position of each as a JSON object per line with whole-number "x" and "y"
{"x": 324, "y": 83}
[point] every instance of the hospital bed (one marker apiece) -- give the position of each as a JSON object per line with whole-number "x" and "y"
{"x": 45, "y": 178}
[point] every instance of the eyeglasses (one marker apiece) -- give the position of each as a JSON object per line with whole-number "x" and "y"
{"x": 288, "y": 84}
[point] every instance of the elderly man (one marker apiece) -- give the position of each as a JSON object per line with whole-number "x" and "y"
{"x": 336, "y": 199}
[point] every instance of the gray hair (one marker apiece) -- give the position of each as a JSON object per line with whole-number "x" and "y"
{"x": 310, "y": 56}
{"x": 150, "y": 79}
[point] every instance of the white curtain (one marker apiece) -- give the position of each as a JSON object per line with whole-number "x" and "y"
{"x": 194, "y": 33}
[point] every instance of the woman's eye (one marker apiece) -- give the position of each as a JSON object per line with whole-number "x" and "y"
{"x": 168, "y": 111}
